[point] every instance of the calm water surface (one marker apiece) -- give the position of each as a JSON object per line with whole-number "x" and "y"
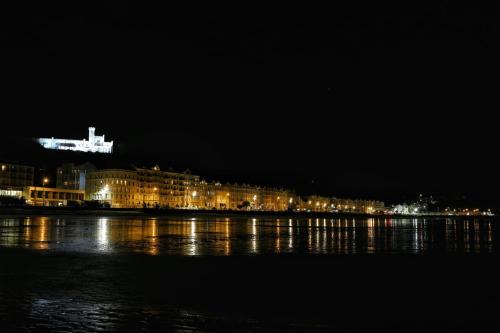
{"x": 140, "y": 274}
{"x": 247, "y": 236}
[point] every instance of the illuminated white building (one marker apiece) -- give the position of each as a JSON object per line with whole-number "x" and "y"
{"x": 95, "y": 144}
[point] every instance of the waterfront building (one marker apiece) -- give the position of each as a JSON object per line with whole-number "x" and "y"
{"x": 13, "y": 178}
{"x": 153, "y": 187}
{"x": 94, "y": 144}
{"x": 116, "y": 187}
{"x": 214, "y": 195}
{"x": 357, "y": 205}
{"x": 169, "y": 189}
{"x": 235, "y": 196}
{"x": 143, "y": 188}
{"x": 244, "y": 196}
{"x": 317, "y": 203}
{"x": 47, "y": 196}
{"x": 273, "y": 199}
{"x": 72, "y": 177}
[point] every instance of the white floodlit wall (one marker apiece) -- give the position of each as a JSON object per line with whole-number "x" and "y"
{"x": 94, "y": 144}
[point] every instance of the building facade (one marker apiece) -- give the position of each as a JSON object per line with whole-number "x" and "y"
{"x": 15, "y": 175}
{"x": 13, "y": 178}
{"x": 243, "y": 196}
{"x": 94, "y": 144}
{"x": 155, "y": 188}
{"x": 46, "y": 196}
{"x": 358, "y": 206}
{"x": 143, "y": 188}
{"x": 72, "y": 177}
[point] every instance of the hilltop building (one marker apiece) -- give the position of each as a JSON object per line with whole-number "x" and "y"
{"x": 94, "y": 144}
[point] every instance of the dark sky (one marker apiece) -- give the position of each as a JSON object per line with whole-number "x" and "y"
{"x": 380, "y": 101}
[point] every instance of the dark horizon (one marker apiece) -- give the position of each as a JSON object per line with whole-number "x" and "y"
{"x": 374, "y": 102}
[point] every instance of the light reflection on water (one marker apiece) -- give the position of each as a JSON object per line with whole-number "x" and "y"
{"x": 241, "y": 236}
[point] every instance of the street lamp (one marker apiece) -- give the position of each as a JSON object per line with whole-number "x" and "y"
{"x": 44, "y": 182}
{"x": 154, "y": 195}
{"x": 193, "y": 194}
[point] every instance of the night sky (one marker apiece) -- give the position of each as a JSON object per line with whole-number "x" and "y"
{"x": 368, "y": 101}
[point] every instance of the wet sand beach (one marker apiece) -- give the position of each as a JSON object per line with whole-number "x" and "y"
{"x": 49, "y": 282}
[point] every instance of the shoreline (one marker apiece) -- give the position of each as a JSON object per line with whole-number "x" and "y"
{"x": 38, "y": 211}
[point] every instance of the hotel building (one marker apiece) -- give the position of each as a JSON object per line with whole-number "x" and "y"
{"x": 243, "y": 196}
{"x": 155, "y": 188}
{"x": 357, "y": 206}
{"x": 143, "y": 188}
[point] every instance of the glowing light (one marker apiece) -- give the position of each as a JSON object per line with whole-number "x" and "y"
{"x": 194, "y": 194}
{"x": 45, "y": 180}
{"x": 103, "y": 234}
{"x": 12, "y": 193}
{"x": 4, "y": 167}
{"x": 94, "y": 144}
